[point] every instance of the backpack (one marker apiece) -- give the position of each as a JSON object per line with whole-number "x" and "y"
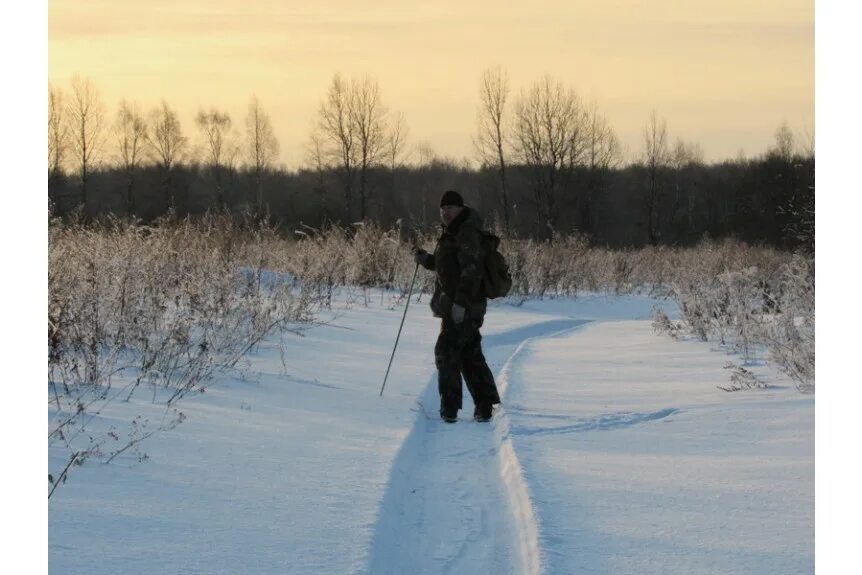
{"x": 496, "y": 280}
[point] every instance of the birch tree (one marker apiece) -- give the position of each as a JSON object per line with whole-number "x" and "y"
{"x": 549, "y": 141}
{"x": 167, "y": 145}
{"x": 58, "y": 139}
{"x": 656, "y": 157}
{"x": 336, "y": 129}
{"x": 396, "y": 143}
{"x": 369, "y": 117}
{"x": 353, "y": 124}
{"x": 261, "y": 147}
{"x": 86, "y": 115}
{"x": 601, "y": 154}
{"x": 218, "y": 150}
{"x": 491, "y": 141}
{"x": 131, "y": 134}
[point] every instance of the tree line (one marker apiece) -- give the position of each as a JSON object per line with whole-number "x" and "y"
{"x": 548, "y": 164}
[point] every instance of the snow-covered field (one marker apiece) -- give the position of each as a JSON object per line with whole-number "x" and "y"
{"x": 614, "y": 452}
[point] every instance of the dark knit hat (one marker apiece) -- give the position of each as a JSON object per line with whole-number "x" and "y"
{"x": 452, "y": 198}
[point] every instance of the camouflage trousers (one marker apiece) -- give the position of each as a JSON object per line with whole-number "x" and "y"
{"x": 458, "y": 353}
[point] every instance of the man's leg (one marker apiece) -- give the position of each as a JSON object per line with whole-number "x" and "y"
{"x": 480, "y": 380}
{"x": 447, "y": 353}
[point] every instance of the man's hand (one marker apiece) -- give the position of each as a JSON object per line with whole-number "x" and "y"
{"x": 419, "y": 256}
{"x": 458, "y": 312}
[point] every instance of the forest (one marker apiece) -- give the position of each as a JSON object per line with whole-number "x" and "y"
{"x": 546, "y": 165}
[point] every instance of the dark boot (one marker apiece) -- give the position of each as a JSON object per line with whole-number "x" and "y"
{"x": 449, "y": 414}
{"x": 483, "y": 412}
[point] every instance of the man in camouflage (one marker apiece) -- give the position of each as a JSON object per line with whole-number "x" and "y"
{"x": 460, "y": 303}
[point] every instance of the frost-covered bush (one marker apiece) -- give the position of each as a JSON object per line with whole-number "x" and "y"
{"x": 661, "y": 323}
{"x": 372, "y": 253}
{"x": 725, "y": 307}
{"x": 790, "y": 336}
{"x": 568, "y": 265}
{"x": 741, "y": 378}
{"x": 366, "y": 256}
{"x": 145, "y": 296}
{"x": 369, "y": 256}
{"x": 751, "y": 303}
{"x": 159, "y": 306}
{"x": 318, "y": 261}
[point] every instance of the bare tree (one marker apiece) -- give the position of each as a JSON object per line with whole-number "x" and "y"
{"x": 785, "y": 143}
{"x": 427, "y": 158}
{"x": 58, "y": 139}
{"x": 396, "y": 141}
{"x": 131, "y": 131}
{"x": 657, "y": 158}
{"x": 685, "y": 158}
{"x": 369, "y": 117}
{"x": 685, "y": 154}
{"x": 602, "y": 147}
{"x": 215, "y": 128}
{"x": 261, "y": 147}
{"x": 549, "y": 140}
{"x": 336, "y": 129}
{"x": 427, "y": 154}
{"x": 602, "y": 153}
{"x": 167, "y": 145}
{"x": 86, "y": 118}
{"x": 352, "y": 123}
{"x": 317, "y": 157}
{"x": 491, "y": 140}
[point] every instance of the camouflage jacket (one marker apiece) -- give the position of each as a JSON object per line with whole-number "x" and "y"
{"x": 458, "y": 262}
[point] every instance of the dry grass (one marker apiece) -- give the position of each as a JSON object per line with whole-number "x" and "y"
{"x": 165, "y": 306}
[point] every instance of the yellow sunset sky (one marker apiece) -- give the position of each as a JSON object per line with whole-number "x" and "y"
{"x": 723, "y": 73}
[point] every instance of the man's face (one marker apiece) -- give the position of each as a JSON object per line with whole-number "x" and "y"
{"x": 449, "y": 213}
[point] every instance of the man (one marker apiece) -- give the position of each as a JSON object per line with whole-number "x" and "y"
{"x": 460, "y": 302}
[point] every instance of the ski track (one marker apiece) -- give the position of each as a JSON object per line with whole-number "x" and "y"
{"x": 456, "y": 499}
{"x": 600, "y": 423}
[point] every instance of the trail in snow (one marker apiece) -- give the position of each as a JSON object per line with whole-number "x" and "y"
{"x": 456, "y": 501}
{"x": 579, "y": 424}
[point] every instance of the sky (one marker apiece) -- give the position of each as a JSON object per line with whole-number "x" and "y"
{"x": 724, "y": 75}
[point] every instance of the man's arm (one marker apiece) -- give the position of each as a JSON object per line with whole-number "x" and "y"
{"x": 470, "y": 259}
{"x": 424, "y": 259}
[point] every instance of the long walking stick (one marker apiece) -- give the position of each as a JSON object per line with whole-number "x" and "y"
{"x": 409, "y": 293}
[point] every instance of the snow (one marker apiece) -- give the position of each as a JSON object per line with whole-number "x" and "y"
{"x": 613, "y": 452}
{"x": 644, "y": 468}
